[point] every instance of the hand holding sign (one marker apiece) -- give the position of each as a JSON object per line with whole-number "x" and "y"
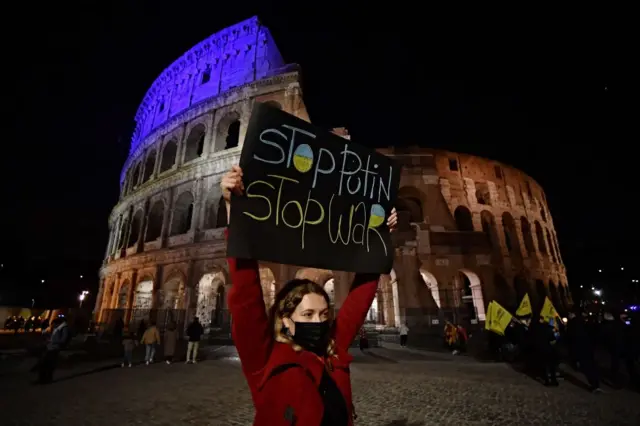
{"x": 307, "y": 197}
{"x": 231, "y": 182}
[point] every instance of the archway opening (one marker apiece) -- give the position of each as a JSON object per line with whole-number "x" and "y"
{"x": 135, "y": 178}
{"x": 154, "y": 225}
{"x": 136, "y": 224}
{"x": 123, "y": 295}
{"x": 489, "y": 229}
{"x": 182, "y": 214}
{"x": 432, "y": 284}
{"x": 470, "y": 288}
{"x": 149, "y": 165}
{"x": 195, "y": 143}
{"x": 542, "y": 246}
{"x": 171, "y": 294}
{"x": 510, "y": 234}
{"x": 233, "y": 135}
{"x": 464, "y": 222}
{"x": 207, "y": 301}
{"x": 528, "y": 237}
{"x": 168, "y": 155}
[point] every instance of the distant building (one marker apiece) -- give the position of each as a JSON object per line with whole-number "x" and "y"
{"x": 472, "y": 229}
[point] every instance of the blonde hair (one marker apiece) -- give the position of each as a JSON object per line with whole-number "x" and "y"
{"x": 286, "y": 302}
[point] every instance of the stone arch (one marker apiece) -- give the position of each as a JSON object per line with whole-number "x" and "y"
{"x": 489, "y": 228}
{"x": 228, "y": 132}
{"x": 194, "y": 146}
{"x": 432, "y": 284}
{"x": 527, "y": 236}
{"x": 154, "y": 222}
{"x": 172, "y": 292}
{"x": 210, "y": 300}
{"x": 143, "y": 296}
{"x": 182, "y": 214}
{"x": 149, "y": 165}
{"x": 169, "y": 153}
{"x": 410, "y": 201}
{"x": 470, "y": 287}
{"x": 124, "y": 227}
{"x": 123, "y": 295}
{"x": 542, "y": 244}
{"x": 464, "y": 221}
{"x": 136, "y": 225}
{"x": 268, "y": 283}
{"x": 510, "y": 233}
{"x": 274, "y": 104}
{"x": 135, "y": 176}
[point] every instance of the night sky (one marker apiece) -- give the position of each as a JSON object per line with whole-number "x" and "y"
{"x": 547, "y": 98}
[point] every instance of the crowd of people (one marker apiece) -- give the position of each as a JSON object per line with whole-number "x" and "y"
{"x": 150, "y": 338}
{"x": 586, "y": 341}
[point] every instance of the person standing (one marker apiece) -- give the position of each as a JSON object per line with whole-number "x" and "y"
{"x": 128, "y": 343}
{"x": 295, "y": 359}
{"x": 59, "y": 339}
{"x": 581, "y": 350}
{"x": 150, "y": 339}
{"x": 170, "y": 339}
{"x": 195, "y": 332}
{"x": 544, "y": 340}
{"x": 404, "y": 333}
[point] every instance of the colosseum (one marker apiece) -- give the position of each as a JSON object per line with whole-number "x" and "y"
{"x": 471, "y": 229}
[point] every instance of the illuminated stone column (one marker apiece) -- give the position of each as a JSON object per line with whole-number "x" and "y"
{"x": 133, "y": 284}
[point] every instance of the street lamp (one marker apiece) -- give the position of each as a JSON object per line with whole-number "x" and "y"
{"x": 597, "y": 292}
{"x": 82, "y": 296}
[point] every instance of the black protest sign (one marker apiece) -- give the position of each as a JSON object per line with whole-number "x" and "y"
{"x": 311, "y": 198}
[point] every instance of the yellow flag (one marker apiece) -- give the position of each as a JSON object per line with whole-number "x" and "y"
{"x": 488, "y": 316}
{"x": 548, "y": 310}
{"x": 525, "y": 307}
{"x": 500, "y": 319}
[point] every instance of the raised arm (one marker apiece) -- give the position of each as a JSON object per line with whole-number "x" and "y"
{"x": 354, "y": 310}
{"x": 250, "y": 326}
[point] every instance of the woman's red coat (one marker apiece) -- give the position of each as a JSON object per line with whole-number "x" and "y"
{"x": 291, "y": 397}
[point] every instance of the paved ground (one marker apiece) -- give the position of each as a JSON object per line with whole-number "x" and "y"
{"x": 391, "y": 388}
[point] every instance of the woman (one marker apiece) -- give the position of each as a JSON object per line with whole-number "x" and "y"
{"x": 170, "y": 339}
{"x": 296, "y": 362}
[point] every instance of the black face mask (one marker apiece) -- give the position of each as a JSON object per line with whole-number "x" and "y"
{"x": 313, "y": 336}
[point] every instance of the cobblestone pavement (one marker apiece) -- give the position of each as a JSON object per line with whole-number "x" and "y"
{"x": 391, "y": 388}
